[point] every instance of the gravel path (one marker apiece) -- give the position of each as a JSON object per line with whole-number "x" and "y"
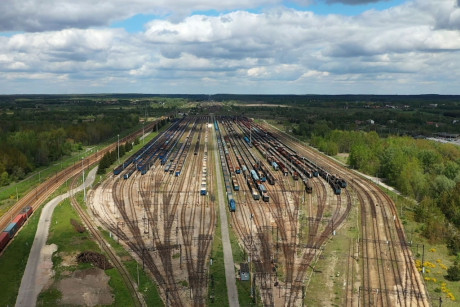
{"x": 39, "y": 266}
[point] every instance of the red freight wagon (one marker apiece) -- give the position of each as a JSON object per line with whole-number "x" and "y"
{"x": 19, "y": 220}
{"x": 4, "y": 238}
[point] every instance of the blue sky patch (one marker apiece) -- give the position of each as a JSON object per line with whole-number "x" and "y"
{"x": 136, "y": 23}
{"x": 323, "y": 8}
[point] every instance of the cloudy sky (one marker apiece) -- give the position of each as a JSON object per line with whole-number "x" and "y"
{"x": 230, "y": 46}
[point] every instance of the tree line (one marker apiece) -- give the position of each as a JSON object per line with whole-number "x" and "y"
{"x": 110, "y": 157}
{"x": 425, "y": 170}
{"x": 34, "y": 138}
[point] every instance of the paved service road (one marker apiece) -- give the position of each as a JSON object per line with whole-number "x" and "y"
{"x": 228, "y": 256}
{"x": 33, "y": 280}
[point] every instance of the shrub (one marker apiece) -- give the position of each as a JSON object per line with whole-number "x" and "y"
{"x": 453, "y": 273}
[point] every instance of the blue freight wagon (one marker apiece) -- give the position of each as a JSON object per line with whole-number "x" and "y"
{"x": 254, "y": 175}
{"x": 232, "y": 205}
{"x": 203, "y": 189}
{"x": 11, "y": 229}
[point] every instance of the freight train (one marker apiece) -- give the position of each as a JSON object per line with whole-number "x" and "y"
{"x": 10, "y": 230}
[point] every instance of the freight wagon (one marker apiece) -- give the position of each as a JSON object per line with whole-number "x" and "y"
{"x": 203, "y": 189}
{"x": 265, "y": 197}
{"x": 11, "y": 229}
{"x": 231, "y": 204}
{"x": 4, "y": 239}
{"x": 254, "y": 175}
{"x": 308, "y": 187}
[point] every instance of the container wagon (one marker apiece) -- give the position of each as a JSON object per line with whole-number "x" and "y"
{"x": 11, "y": 229}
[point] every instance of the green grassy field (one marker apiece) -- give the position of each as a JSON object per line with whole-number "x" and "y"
{"x": 70, "y": 243}
{"x": 331, "y": 267}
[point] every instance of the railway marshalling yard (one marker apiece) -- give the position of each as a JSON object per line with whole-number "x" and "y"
{"x": 284, "y": 202}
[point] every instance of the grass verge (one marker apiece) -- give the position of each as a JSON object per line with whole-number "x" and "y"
{"x": 331, "y": 269}
{"x": 217, "y": 285}
{"x": 70, "y": 243}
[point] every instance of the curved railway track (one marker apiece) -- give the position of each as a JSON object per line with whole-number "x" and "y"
{"x": 160, "y": 213}
{"x": 38, "y": 195}
{"x": 385, "y": 281}
{"x": 129, "y": 282}
{"x": 283, "y": 210}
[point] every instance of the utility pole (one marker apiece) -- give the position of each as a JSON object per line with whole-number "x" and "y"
{"x": 423, "y": 258}
{"x": 118, "y": 147}
{"x": 84, "y": 188}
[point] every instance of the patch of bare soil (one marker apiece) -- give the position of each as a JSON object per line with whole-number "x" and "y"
{"x": 88, "y": 287}
{"x": 68, "y": 259}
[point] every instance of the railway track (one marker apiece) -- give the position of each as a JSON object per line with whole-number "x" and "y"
{"x": 283, "y": 210}
{"x": 173, "y": 203}
{"x": 129, "y": 282}
{"x": 382, "y": 280}
{"x": 152, "y": 205}
{"x": 38, "y": 195}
